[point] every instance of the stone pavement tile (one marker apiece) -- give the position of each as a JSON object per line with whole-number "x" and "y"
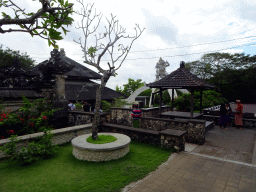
{"x": 148, "y": 190}
{"x": 244, "y": 179}
{"x": 137, "y": 188}
{"x": 210, "y": 174}
{"x": 216, "y": 170}
{"x": 175, "y": 177}
{"x": 178, "y": 173}
{"x": 234, "y": 180}
{"x": 165, "y": 176}
{"x": 206, "y": 185}
{"x": 244, "y": 189}
{"x": 190, "y": 188}
{"x": 219, "y": 185}
{"x": 216, "y": 189}
{"x": 253, "y": 188}
{"x": 188, "y": 175}
{"x": 221, "y": 181}
{"x": 231, "y": 184}
{"x": 230, "y": 190}
{"x": 172, "y": 182}
{"x": 158, "y": 182}
{"x": 153, "y": 186}
{"x": 199, "y": 178}
{"x": 223, "y": 178}
{"x": 209, "y": 180}
{"x": 202, "y": 189}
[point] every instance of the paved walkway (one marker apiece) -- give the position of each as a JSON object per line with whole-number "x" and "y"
{"x": 224, "y": 163}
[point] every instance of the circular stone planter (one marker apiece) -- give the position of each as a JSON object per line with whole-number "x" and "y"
{"x": 83, "y": 150}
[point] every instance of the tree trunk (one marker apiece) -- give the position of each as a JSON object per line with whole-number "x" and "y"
{"x": 96, "y": 119}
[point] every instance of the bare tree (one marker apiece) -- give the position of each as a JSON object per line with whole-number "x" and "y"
{"x": 53, "y": 15}
{"x": 103, "y": 43}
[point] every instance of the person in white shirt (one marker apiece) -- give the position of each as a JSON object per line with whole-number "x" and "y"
{"x": 71, "y": 106}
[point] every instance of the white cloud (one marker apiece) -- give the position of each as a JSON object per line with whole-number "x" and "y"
{"x": 169, "y": 24}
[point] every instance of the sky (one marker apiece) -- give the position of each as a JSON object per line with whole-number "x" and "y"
{"x": 174, "y": 30}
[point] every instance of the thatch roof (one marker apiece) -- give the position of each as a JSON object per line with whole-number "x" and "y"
{"x": 79, "y": 71}
{"x": 79, "y": 90}
{"x": 181, "y": 79}
{"x": 19, "y": 92}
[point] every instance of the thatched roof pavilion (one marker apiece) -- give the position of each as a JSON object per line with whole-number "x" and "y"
{"x": 182, "y": 79}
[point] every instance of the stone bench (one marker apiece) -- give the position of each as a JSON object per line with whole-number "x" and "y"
{"x": 167, "y": 138}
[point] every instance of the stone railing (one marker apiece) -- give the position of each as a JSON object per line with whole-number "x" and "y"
{"x": 122, "y": 116}
{"x": 79, "y": 117}
{"x": 195, "y": 128}
{"x": 60, "y": 136}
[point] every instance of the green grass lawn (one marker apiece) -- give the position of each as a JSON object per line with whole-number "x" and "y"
{"x": 102, "y": 139}
{"x": 64, "y": 172}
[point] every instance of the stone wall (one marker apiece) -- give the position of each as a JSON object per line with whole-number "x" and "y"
{"x": 60, "y": 136}
{"x": 122, "y": 116}
{"x": 195, "y": 128}
{"x": 153, "y": 137}
{"x": 79, "y": 117}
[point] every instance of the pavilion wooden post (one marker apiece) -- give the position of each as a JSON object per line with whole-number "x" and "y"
{"x": 172, "y": 99}
{"x": 192, "y": 104}
{"x": 160, "y": 103}
{"x": 201, "y": 100}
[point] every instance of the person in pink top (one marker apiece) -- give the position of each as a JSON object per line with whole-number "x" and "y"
{"x": 239, "y": 115}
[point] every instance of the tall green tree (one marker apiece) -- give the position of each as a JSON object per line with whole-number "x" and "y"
{"x": 232, "y": 74}
{"x": 130, "y": 87}
{"x": 211, "y": 64}
{"x": 7, "y": 56}
{"x": 45, "y": 22}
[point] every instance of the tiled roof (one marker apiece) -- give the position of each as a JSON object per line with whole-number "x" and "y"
{"x": 19, "y": 92}
{"x": 181, "y": 78}
{"x": 81, "y": 90}
{"x": 78, "y": 71}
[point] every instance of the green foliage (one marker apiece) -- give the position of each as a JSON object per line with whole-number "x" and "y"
{"x": 130, "y": 87}
{"x": 79, "y": 105}
{"x": 118, "y": 102}
{"x": 146, "y": 93}
{"x": 232, "y": 74}
{"x": 105, "y": 106}
{"x": 7, "y": 57}
{"x": 41, "y": 147}
{"x": 35, "y": 118}
{"x": 92, "y": 51}
{"x": 56, "y": 16}
{"x": 102, "y": 139}
{"x": 210, "y": 98}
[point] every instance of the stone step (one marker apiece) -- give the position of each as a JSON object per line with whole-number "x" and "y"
{"x": 209, "y": 125}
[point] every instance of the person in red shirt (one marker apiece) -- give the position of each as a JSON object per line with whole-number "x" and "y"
{"x": 239, "y": 115}
{"x": 136, "y": 115}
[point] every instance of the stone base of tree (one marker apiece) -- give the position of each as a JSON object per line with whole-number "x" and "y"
{"x": 83, "y": 150}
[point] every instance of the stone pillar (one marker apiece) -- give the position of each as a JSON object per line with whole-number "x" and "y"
{"x": 59, "y": 87}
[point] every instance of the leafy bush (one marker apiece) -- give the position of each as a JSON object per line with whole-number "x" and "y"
{"x": 79, "y": 105}
{"x": 35, "y": 118}
{"x": 41, "y": 147}
{"x": 118, "y": 102}
{"x": 210, "y": 98}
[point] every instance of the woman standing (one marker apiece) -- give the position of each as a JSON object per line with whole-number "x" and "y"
{"x": 239, "y": 115}
{"x": 223, "y": 112}
{"x": 229, "y": 111}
